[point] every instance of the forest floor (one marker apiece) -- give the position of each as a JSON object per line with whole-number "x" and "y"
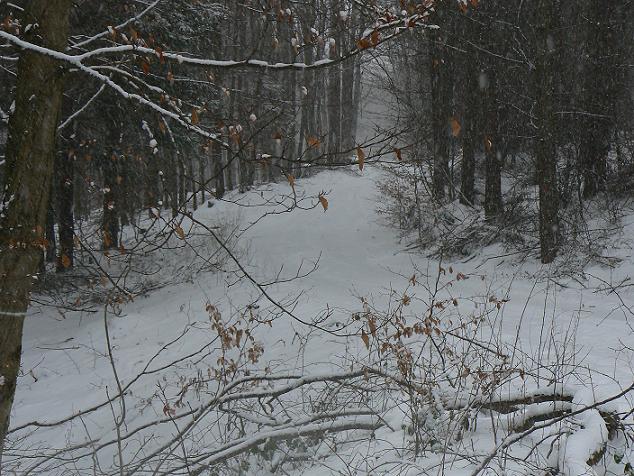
{"x": 580, "y": 321}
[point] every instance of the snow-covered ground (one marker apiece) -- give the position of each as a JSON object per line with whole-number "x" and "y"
{"x": 582, "y": 322}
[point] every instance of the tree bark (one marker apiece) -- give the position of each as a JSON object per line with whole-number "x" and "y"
{"x": 111, "y": 197}
{"x": 441, "y": 105}
{"x": 471, "y": 94}
{"x": 111, "y": 204}
{"x": 171, "y": 181}
{"x": 493, "y": 156}
{"x": 66, "y": 219}
{"x": 182, "y": 181}
{"x": 202, "y": 171}
{"x": 29, "y": 158}
{"x": 334, "y": 90}
{"x": 51, "y": 248}
{"x": 347, "y": 85}
{"x": 216, "y": 153}
{"x": 309, "y": 99}
{"x": 599, "y": 94}
{"x": 546, "y": 145}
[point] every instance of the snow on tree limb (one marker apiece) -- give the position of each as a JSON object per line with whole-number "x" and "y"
{"x": 118, "y": 27}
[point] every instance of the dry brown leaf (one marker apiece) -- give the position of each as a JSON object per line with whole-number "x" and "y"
{"x": 488, "y": 144}
{"x": 456, "y": 128}
{"x": 323, "y": 201}
{"x": 313, "y": 142}
{"x": 360, "y": 157}
{"x": 66, "y": 263}
{"x": 134, "y": 36}
{"x": 159, "y": 52}
{"x": 375, "y": 37}
{"x": 372, "y": 325}
{"x": 365, "y": 339}
{"x": 107, "y": 241}
{"x": 363, "y": 44}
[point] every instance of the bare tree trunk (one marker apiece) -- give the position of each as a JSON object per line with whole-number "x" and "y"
{"x": 125, "y": 193}
{"x": 546, "y": 145}
{"x": 334, "y": 90}
{"x": 598, "y": 98}
{"x": 171, "y": 181}
{"x": 441, "y": 110}
{"x": 111, "y": 197}
{"x": 51, "y": 245}
{"x": 356, "y": 99}
{"x": 347, "y": 85}
{"x": 356, "y": 81}
{"x": 440, "y": 75}
{"x": 65, "y": 194}
{"x": 493, "y": 155}
{"x": 216, "y": 152}
{"x": 152, "y": 188}
{"x": 202, "y": 170}
{"x": 228, "y": 163}
{"x": 111, "y": 203}
{"x": 193, "y": 185}
{"x": 309, "y": 97}
{"x": 29, "y": 158}
{"x": 471, "y": 94}
{"x": 182, "y": 181}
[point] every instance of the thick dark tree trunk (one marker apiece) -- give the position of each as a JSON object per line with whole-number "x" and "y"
{"x": 347, "y": 111}
{"x": 110, "y": 226}
{"x": 125, "y": 193}
{"x": 152, "y": 188}
{"x": 493, "y": 154}
{"x": 202, "y": 171}
{"x": 334, "y": 116}
{"x": 546, "y": 153}
{"x": 308, "y": 107}
{"x": 356, "y": 100}
{"x": 357, "y": 86}
{"x": 182, "y": 181}
{"x": 441, "y": 105}
{"x": 471, "y": 94}
{"x": 598, "y": 96}
{"x": 29, "y": 160}
{"x": 51, "y": 245}
{"x": 193, "y": 184}
{"x": 65, "y": 195}
{"x": 216, "y": 153}
{"x": 467, "y": 172}
{"x": 171, "y": 179}
{"x": 334, "y": 92}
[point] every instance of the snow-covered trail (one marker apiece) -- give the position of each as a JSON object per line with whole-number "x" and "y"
{"x": 64, "y": 357}
{"x": 357, "y": 256}
{"x": 66, "y": 367}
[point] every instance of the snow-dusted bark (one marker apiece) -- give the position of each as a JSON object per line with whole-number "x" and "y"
{"x": 29, "y": 163}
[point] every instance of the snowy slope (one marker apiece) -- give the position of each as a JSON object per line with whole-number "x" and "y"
{"x": 66, "y": 365}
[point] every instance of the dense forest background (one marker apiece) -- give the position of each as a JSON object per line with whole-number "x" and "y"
{"x": 541, "y": 88}
{"x": 503, "y": 122}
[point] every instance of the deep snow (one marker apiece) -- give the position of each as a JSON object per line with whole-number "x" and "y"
{"x": 65, "y": 364}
